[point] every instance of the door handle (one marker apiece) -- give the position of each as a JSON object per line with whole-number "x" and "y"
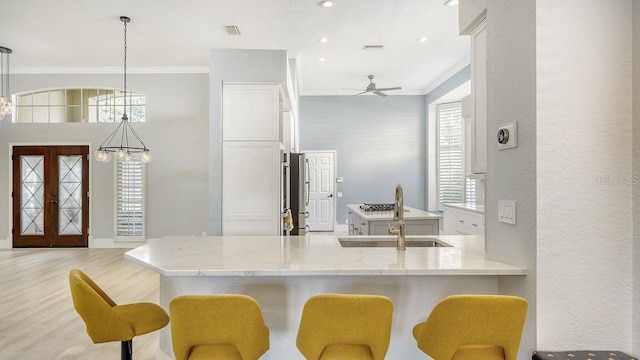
{"x": 330, "y": 195}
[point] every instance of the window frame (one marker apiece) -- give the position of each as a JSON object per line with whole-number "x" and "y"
{"x": 66, "y": 105}
{"x": 467, "y": 188}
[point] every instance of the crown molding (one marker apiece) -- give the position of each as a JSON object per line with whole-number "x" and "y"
{"x": 111, "y": 70}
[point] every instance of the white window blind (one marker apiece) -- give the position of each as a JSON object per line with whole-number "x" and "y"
{"x": 450, "y": 169}
{"x": 130, "y": 200}
{"x": 471, "y": 190}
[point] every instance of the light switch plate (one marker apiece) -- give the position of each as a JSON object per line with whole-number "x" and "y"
{"x": 339, "y": 193}
{"x": 512, "y": 139}
{"x": 339, "y": 179}
{"x": 507, "y": 211}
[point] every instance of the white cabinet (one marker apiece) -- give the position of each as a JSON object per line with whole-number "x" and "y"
{"x": 462, "y": 222}
{"x": 252, "y": 112}
{"x": 479, "y": 99}
{"x": 252, "y": 169}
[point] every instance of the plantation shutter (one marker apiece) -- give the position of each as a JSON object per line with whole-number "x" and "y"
{"x": 451, "y": 181}
{"x": 130, "y": 200}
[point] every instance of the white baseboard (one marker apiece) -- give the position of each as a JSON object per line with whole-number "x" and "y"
{"x": 6, "y": 243}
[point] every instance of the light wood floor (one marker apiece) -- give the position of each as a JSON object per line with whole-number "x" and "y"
{"x": 37, "y": 318}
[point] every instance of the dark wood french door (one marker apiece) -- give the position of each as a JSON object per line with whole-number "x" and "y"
{"x": 50, "y": 196}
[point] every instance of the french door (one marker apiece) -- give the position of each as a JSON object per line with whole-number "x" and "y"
{"x": 50, "y": 196}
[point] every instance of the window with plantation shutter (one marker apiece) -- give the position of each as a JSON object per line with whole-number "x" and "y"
{"x": 130, "y": 200}
{"x": 450, "y": 151}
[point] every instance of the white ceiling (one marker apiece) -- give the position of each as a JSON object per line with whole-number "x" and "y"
{"x": 86, "y": 35}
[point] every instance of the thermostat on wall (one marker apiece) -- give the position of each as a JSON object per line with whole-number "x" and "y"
{"x": 507, "y": 136}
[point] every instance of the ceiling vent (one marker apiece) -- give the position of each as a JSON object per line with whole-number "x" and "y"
{"x": 233, "y": 30}
{"x": 372, "y": 47}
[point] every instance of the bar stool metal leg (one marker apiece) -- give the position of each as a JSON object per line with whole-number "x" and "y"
{"x": 126, "y": 350}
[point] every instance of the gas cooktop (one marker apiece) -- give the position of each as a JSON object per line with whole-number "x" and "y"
{"x": 367, "y": 208}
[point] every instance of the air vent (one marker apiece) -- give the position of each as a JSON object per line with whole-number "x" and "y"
{"x": 373, "y": 47}
{"x": 233, "y": 30}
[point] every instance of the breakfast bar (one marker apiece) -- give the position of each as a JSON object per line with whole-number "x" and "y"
{"x": 282, "y": 272}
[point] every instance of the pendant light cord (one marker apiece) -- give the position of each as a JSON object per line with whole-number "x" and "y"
{"x": 124, "y": 116}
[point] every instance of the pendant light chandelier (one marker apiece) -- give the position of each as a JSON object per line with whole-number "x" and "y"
{"x": 5, "y": 90}
{"x": 124, "y": 131}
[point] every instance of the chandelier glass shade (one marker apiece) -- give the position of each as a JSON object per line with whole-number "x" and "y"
{"x": 6, "y": 106}
{"x": 130, "y": 145}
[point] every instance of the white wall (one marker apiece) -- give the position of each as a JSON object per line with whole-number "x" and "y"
{"x": 175, "y": 131}
{"x": 584, "y": 157}
{"x": 562, "y": 69}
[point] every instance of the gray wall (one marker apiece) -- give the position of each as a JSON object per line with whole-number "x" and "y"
{"x": 380, "y": 142}
{"x": 449, "y": 85}
{"x": 175, "y": 131}
{"x": 511, "y": 175}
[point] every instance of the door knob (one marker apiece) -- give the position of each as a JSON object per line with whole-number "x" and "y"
{"x": 330, "y": 195}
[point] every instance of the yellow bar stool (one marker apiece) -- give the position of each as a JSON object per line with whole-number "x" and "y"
{"x": 221, "y": 327}
{"x": 106, "y": 321}
{"x": 345, "y": 327}
{"x": 473, "y": 327}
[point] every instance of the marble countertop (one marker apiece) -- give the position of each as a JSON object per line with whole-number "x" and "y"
{"x": 313, "y": 255}
{"x": 467, "y": 206}
{"x": 409, "y": 214}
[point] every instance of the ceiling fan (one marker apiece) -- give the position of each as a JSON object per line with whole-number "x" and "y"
{"x": 372, "y": 88}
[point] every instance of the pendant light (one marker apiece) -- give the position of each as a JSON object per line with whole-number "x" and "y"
{"x": 5, "y": 90}
{"x": 124, "y": 131}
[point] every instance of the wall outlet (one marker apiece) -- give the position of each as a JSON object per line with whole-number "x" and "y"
{"x": 507, "y": 136}
{"x": 507, "y": 211}
{"x": 339, "y": 179}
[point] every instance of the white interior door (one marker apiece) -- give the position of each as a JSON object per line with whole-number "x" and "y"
{"x": 321, "y": 190}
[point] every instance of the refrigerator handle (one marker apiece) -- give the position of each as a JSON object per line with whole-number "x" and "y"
{"x": 307, "y": 182}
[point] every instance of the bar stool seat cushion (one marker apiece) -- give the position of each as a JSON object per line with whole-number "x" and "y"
{"x": 143, "y": 317}
{"x": 346, "y": 352}
{"x": 479, "y": 352}
{"x": 214, "y": 351}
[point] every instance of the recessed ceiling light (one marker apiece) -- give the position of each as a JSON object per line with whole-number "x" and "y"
{"x": 323, "y": 40}
{"x": 422, "y": 39}
{"x": 326, "y": 3}
{"x": 322, "y": 59}
{"x": 451, "y": 2}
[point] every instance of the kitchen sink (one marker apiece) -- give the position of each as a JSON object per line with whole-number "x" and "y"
{"x": 381, "y": 241}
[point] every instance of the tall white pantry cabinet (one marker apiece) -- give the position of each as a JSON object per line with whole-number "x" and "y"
{"x": 252, "y": 183}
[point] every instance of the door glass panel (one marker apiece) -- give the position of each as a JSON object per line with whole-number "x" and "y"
{"x": 32, "y": 194}
{"x": 70, "y": 195}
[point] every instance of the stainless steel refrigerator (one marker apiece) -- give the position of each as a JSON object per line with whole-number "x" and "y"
{"x": 299, "y": 193}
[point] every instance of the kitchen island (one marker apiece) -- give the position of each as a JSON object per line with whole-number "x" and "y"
{"x": 374, "y": 219}
{"x": 281, "y": 273}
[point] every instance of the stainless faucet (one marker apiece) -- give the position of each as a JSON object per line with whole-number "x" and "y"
{"x": 398, "y": 215}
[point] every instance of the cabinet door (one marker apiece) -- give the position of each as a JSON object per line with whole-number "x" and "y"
{"x": 450, "y": 221}
{"x": 479, "y": 99}
{"x": 470, "y": 223}
{"x": 251, "y": 191}
{"x": 251, "y": 112}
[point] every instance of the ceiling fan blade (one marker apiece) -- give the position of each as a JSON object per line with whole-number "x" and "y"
{"x": 364, "y": 92}
{"x": 377, "y": 92}
{"x": 351, "y": 89}
{"x": 389, "y": 89}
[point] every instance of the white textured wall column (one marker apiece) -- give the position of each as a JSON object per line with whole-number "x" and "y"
{"x": 636, "y": 174}
{"x": 584, "y": 219}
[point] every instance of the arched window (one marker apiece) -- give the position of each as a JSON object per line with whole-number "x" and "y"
{"x": 77, "y": 105}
